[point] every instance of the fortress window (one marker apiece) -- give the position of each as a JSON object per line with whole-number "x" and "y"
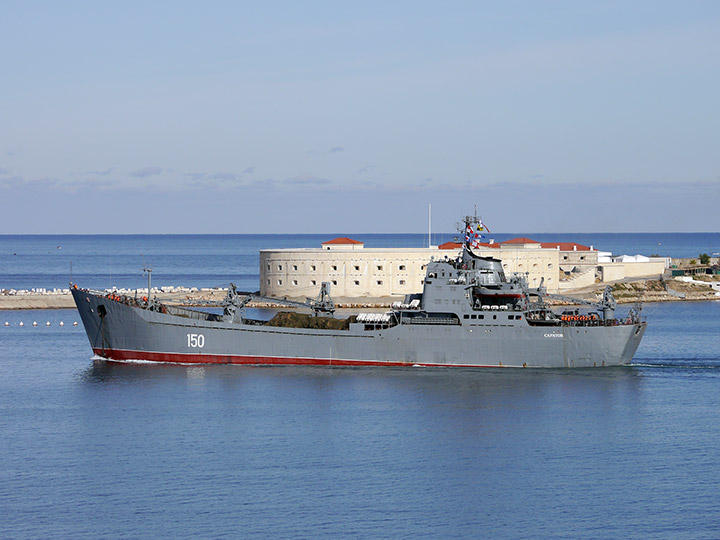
{"x": 379, "y": 282}
{"x": 279, "y": 281}
{"x": 268, "y": 282}
{"x": 313, "y": 282}
{"x": 312, "y": 267}
{"x": 356, "y": 282}
{"x": 582, "y": 257}
{"x": 334, "y": 282}
{"x": 279, "y": 266}
{"x": 357, "y": 268}
{"x": 268, "y": 266}
{"x": 295, "y": 267}
{"x": 294, "y": 281}
{"x": 334, "y": 267}
{"x": 401, "y": 267}
{"x": 402, "y": 282}
{"x": 379, "y": 267}
{"x": 564, "y": 257}
{"x": 549, "y": 265}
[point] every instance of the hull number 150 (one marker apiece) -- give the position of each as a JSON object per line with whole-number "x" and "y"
{"x": 196, "y": 341}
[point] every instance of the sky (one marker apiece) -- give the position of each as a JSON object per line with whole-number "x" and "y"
{"x": 310, "y": 117}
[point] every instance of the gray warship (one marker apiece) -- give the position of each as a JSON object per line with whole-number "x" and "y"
{"x": 469, "y": 314}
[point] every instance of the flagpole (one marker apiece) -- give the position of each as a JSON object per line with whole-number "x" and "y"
{"x": 429, "y": 224}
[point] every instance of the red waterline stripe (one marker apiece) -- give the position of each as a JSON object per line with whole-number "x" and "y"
{"x": 119, "y": 354}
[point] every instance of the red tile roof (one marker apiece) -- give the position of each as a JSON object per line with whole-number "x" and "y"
{"x": 342, "y": 240}
{"x": 521, "y": 240}
{"x": 563, "y": 246}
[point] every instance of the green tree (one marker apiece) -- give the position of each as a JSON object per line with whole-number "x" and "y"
{"x": 693, "y": 262}
{"x": 704, "y": 258}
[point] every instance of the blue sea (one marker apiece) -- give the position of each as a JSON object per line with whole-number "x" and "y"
{"x": 92, "y": 449}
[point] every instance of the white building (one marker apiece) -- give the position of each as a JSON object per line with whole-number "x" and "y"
{"x": 357, "y": 272}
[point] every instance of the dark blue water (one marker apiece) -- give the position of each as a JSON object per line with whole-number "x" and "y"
{"x": 103, "y": 261}
{"x": 98, "y": 450}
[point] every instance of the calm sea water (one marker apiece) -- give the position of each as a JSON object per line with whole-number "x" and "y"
{"x": 101, "y": 450}
{"x": 103, "y": 261}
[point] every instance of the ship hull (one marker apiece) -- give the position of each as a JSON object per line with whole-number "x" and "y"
{"x": 125, "y": 333}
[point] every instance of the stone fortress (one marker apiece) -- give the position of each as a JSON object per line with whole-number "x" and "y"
{"x": 357, "y": 272}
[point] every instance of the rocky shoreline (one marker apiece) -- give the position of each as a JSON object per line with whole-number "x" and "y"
{"x": 644, "y": 290}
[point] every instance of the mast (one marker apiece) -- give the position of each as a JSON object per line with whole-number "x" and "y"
{"x": 429, "y": 225}
{"x": 471, "y": 228}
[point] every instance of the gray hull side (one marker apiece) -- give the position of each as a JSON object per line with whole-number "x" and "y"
{"x": 132, "y": 333}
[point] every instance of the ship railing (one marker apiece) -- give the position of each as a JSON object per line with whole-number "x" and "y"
{"x": 193, "y": 313}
